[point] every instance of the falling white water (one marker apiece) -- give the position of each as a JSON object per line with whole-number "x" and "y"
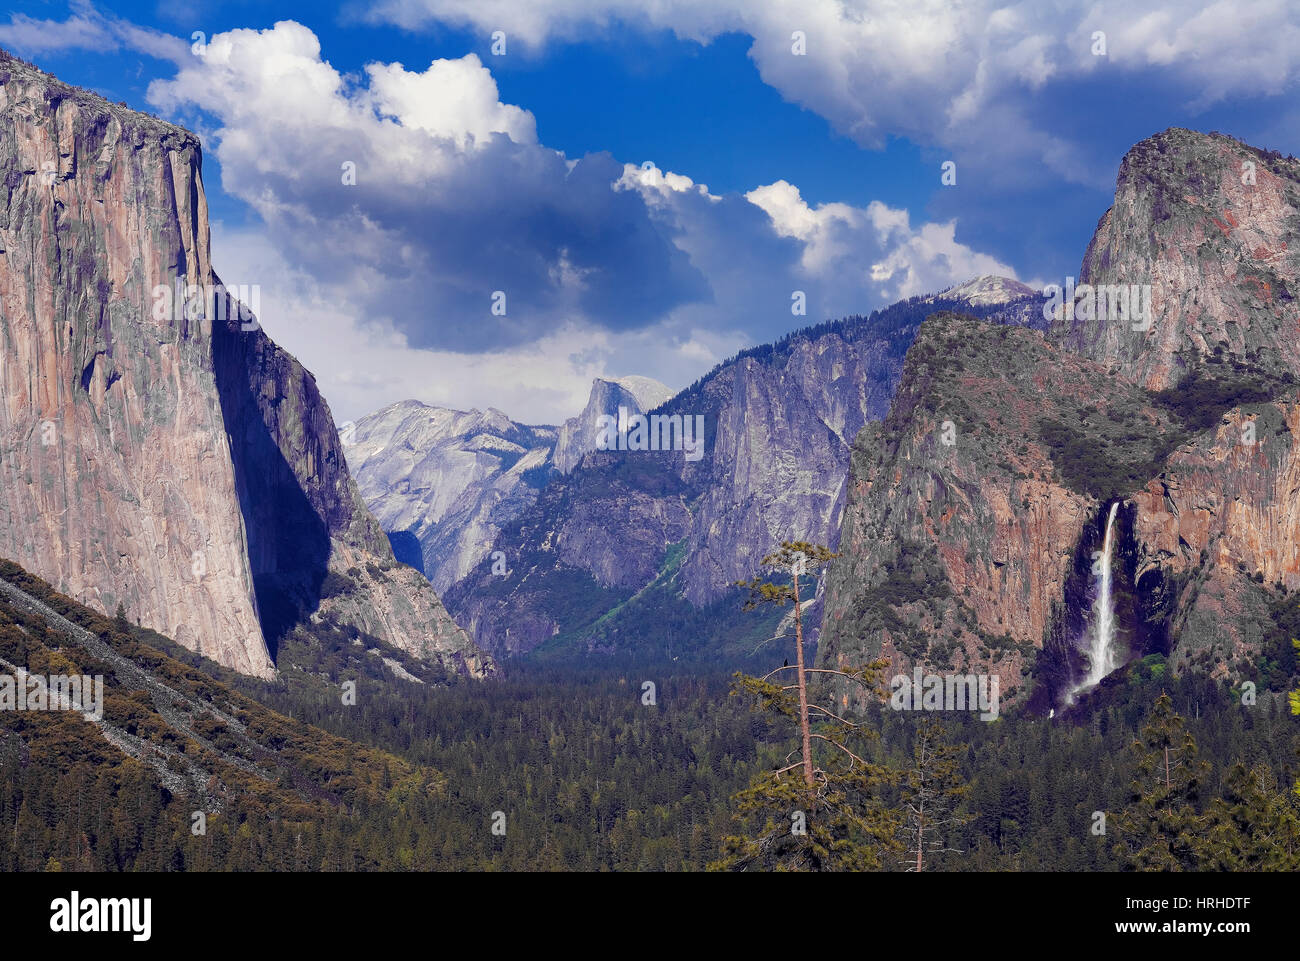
{"x": 1101, "y": 644}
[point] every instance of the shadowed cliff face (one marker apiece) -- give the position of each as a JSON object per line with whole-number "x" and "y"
{"x": 117, "y": 480}
{"x": 176, "y": 463}
{"x": 1145, "y": 605}
{"x": 288, "y": 540}
{"x": 406, "y": 549}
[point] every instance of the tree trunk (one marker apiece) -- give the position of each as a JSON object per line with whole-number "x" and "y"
{"x": 803, "y": 690}
{"x": 920, "y": 836}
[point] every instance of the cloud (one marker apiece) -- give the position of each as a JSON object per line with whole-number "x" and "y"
{"x": 939, "y": 73}
{"x": 456, "y": 214}
{"x": 363, "y": 366}
{"x": 30, "y": 36}
{"x": 86, "y": 29}
{"x": 398, "y": 205}
{"x": 875, "y": 244}
{"x": 453, "y": 99}
{"x": 385, "y": 288}
{"x": 605, "y": 268}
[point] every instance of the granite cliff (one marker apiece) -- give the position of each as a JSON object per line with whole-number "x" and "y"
{"x": 976, "y": 506}
{"x": 161, "y": 452}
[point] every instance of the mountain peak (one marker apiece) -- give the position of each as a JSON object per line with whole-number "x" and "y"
{"x": 1238, "y": 208}
{"x": 988, "y": 290}
{"x": 649, "y": 393}
{"x": 577, "y": 435}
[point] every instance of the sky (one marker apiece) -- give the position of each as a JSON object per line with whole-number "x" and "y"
{"x": 488, "y": 203}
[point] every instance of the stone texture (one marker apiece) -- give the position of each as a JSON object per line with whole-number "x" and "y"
{"x": 1221, "y": 256}
{"x": 1225, "y": 514}
{"x": 576, "y": 437}
{"x": 983, "y": 527}
{"x": 449, "y": 478}
{"x": 185, "y": 468}
{"x": 995, "y": 529}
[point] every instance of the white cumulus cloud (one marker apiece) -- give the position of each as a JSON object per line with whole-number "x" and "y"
{"x": 385, "y": 287}
{"x": 940, "y": 73}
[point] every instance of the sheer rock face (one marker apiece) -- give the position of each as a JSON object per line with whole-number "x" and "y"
{"x": 773, "y": 468}
{"x": 1213, "y": 225}
{"x": 990, "y": 527}
{"x": 450, "y": 478}
{"x": 778, "y": 461}
{"x": 576, "y": 437}
{"x": 187, "y": 469}
{"x": 1237, "y": 503}
{"x": 959, "y": 536}
{"x": 1225, "y": 519}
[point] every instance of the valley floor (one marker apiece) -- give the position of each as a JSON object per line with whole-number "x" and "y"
{"x": 553, "y": 766}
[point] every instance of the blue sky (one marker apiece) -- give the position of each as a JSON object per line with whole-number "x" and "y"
{"x": 770, "y": 171}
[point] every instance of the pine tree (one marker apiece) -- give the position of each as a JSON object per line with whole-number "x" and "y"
{"x": 821, "y": 811}
{"x": 1158, "y": 828}
{"x": 931, "y": 791}
{"x": 1294, "y": 698}
{"x": 1254, "y": 826}
{"x": 799, "y": 558}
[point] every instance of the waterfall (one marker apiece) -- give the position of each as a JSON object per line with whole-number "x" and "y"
{"x": 1101, "y": 643}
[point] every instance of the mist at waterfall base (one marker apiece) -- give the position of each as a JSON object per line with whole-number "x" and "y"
{"x": 1085, "y": 654}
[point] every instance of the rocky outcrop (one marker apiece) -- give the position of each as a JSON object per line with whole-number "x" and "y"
{"x": 578, "y": 436}
{"x": 396, "y": 604}
{"x": 1213, "y": 226}
{"x": 961, "y": 529}
{"x": 989, "y": 291}
{"x": 450, "y": 479}
{"x": 160, "y": 455}
{"x": 1223, "y": 521}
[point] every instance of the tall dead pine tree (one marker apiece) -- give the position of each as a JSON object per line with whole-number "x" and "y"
{"x": 931, "y": 790}
{"x": 799, "y": 559}
{"x": 838, "y": 822}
